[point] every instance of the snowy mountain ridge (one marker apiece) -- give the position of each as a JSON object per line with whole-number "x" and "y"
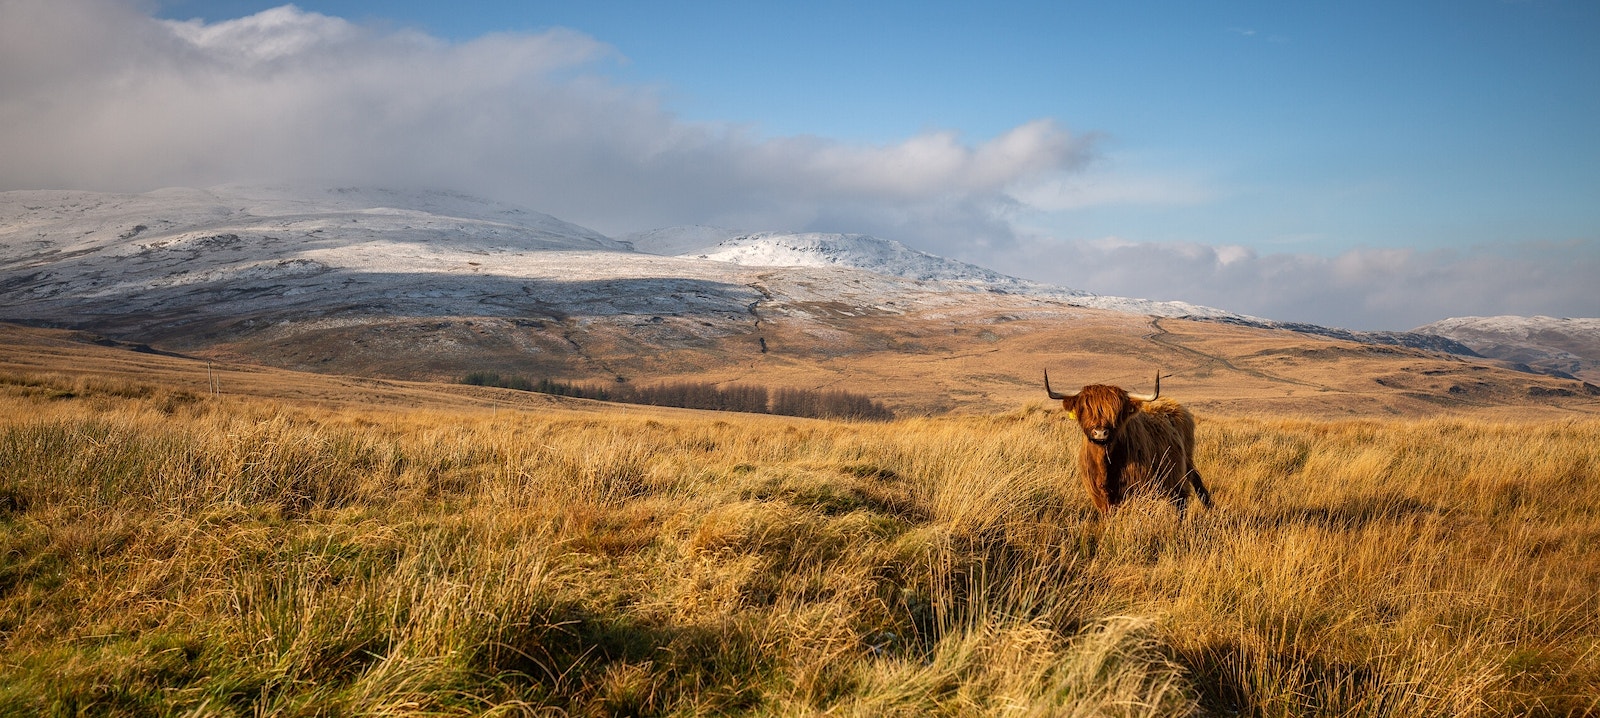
{"x": 817, "y": 249}
{"x": 68, "y": 253}
{"x": 889, "y": 258}
{"x": 1560, "y": 346}
{"x": 1513, "y": 326}
{"x": 173, "y": 262}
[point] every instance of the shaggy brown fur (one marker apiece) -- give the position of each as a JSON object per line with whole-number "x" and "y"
{"x": 1134, "y": 446}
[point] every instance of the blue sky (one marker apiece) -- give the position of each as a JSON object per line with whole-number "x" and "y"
{"x": 1324, "y": 125}
{"x": 1364, "y": 164}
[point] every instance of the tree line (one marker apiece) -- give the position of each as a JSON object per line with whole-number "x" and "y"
{"x": 749, "y": 398}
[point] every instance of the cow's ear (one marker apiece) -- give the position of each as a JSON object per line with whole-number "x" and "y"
{"x": 1071, "y": 405}
{"x": 1133, "y": 406}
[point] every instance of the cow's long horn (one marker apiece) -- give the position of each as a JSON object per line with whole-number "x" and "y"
{"x": 1150, "y": 397}
{"x": 1054, "y": 395}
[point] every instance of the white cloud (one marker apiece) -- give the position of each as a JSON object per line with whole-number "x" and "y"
{"x": 1230, "y": 253}
{"x": 95, "y": 95}
{"x": 269, "y": 35}
{"x": 1365, "y": 288}
{"x": 1065, "y": 191}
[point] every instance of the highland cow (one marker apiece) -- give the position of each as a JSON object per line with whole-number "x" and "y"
{"x": 1133, "y": 444}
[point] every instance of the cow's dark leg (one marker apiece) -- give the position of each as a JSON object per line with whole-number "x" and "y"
{"x": 1200, "y": 488}
{"x": 1113, "y": 490}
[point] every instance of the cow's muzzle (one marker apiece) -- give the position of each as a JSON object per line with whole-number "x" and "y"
{"x": 1099, "y": 436}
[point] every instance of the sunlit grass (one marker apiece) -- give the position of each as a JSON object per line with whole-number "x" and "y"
{"x": 177, "y": 554}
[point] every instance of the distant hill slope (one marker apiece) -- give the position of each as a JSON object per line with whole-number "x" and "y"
{"x": 434, "y": 285}
{"x": 420, "y": 282}
{"x": 81, "y": 220}
{"x": 884, "y": 257}
{"x": 1552, "y": 345}
{"x": 812, "y": 249}
{"x": 176, "y": 263}
{"x": 1412, "y": 339}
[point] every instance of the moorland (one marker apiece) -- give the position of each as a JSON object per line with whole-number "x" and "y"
{"x": 309, "y": 544}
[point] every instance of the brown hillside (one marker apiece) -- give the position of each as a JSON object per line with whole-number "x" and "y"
{"x": 963, "y": 360}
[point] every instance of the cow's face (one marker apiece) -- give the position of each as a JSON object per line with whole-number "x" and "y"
{"x": 1099, "y": 410}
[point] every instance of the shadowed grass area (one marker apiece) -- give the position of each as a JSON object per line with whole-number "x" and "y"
{"x": 163, "y": 553}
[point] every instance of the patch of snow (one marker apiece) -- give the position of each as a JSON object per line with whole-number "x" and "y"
{"x": 859, "y": 251}
{"x": 233, "y": 251}
{"x": 1561, "y": 346}
{"x": 895, "y": 259}
{"x": 1513, "y": 326}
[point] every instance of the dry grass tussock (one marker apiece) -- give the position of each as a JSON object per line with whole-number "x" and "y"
{"x": 178, "y": 554}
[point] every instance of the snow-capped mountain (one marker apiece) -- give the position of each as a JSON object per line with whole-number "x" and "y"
{"x": 179, "y": 261}
{"x": 178, "y": 256}
{"x": 884, "y": 257}
{"x": 1559, "y": 346}
{"x": 86, "y": 219}
{"x": 166, "y": 260}
{"x": 433, "y": 284}
{"x": 813, "y": 249}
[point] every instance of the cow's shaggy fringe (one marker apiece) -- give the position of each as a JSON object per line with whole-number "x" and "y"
{"x": 200, "y": 556}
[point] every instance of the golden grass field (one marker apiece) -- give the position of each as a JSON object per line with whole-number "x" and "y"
{"x": 314, "y": 545}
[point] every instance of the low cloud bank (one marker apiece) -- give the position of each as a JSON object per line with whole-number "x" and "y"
{"x": 1369, "y": 289}
{"x": 96, "y": 95}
